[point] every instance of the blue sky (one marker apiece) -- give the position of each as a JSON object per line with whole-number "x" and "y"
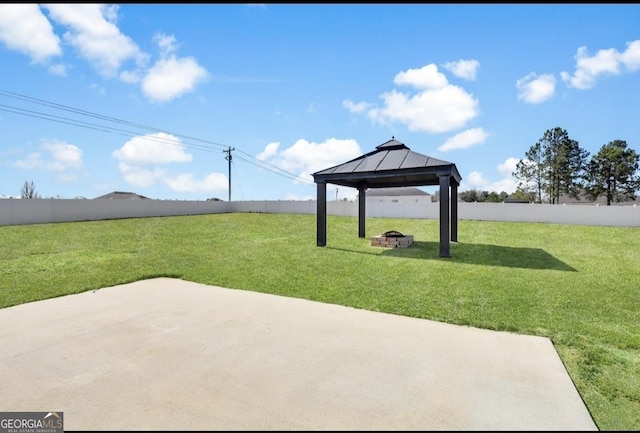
{"x": 147, "y": 98}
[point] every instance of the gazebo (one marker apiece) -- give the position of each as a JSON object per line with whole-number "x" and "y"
{"x": 391, "y": 165}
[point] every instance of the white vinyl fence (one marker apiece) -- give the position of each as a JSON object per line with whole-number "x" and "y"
{"x": 37, "y": 211}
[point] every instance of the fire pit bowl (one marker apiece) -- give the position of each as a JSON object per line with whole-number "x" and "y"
{"x": 392, "y": 239}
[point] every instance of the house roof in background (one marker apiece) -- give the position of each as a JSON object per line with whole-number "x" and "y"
{"x": 401, "y": 191}
{"x": 602, "y": 200}
{"x": 120, "y": 195}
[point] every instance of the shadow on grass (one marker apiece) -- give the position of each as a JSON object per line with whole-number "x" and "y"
{"x": 477, "y": 254}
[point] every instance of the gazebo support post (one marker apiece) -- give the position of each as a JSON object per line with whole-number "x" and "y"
{"x": 362, "y": 200}
{"x": 454, "y": 213}
{"x": 321, "y": 214}
{"x": 444, "y": 216}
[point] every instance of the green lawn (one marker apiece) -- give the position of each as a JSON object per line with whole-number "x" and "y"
{"x": 577, "y": 285}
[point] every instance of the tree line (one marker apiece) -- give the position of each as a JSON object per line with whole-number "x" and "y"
{"x": 556, "y": 165}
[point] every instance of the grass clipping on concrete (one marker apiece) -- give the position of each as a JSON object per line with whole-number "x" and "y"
{"x": 577, "y": 285}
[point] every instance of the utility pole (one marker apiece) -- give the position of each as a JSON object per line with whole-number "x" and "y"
{"x": 228, "y": 158}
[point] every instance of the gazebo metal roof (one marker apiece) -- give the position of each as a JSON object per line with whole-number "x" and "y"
{"x": 391, "y": 165}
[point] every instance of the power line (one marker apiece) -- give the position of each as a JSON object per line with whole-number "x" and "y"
{"x": 101, "y": 128}
{"x": 45, "y": 116}
{"x": 271, "y": 167}
{"x": 95, "y": 115}
{"x": 74, "y": 122}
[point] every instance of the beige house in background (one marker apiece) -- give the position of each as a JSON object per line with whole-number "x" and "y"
{"x": 398, "y": 195}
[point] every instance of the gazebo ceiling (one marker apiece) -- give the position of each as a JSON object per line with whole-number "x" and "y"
{"x": 392, "y": 164}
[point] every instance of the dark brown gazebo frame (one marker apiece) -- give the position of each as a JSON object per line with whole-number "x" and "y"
{"x": 392, "y": 164}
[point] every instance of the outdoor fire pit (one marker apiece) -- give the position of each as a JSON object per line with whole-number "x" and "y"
{"x": 392, "y": 239}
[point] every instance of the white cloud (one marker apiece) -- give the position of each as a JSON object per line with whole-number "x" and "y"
{"x": 57, "y": 156}
{"x": 506, "y": 184}
{"x": 214, "y": 182}
{"x": 508, "y": 167}
{"x": 536, "y": 89}
{"x": 432, "y": 111}
{"x": 427, "y": 77}
{"x": 270, "y": 150}
{"x": 94, "y": 34}
{"x": 140, "y": 177}
{"x": 172, "y": 77}
{"x": 159, "y": 148}
{"x": 166, "y": 43}
{"x": 355, "y": 107}
{"x": 304, "y": 158}
{"x": 437, "y": 106}
{"x": 186, "y": 182}
{"x": 91, "y": 29}
{"x": 466, "y": 69}
{"x": 24, "y": 28}
{"x": 33, "y": 161}
{"x": 64, "y": 154}
{"x": 631, "y": 56}
{"x": 607, "y": 61}
{"x": 465, "y": 139}
{"x": 476, "y": 180}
